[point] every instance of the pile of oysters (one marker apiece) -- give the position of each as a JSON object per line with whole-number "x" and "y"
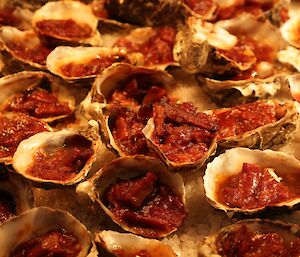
{"x": 112, "y": 104}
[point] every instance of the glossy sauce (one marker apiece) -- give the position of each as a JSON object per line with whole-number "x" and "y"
{"x": 63, "y": 29}
{"x": 7, "y": 206}
{"x": 157, "y": 50}
{"x": 254, "y": 187}
{"x": 15, "y": 129}
{"x": 56, "y": 243}
{"x": 38, "y": 103}
{"x": 146, "y": 205}
{"x": 8, "y": 18}
{"x": 64, "y": 163}
{"x": 201, "y": 7}
{"x": 182, "y": 133}
{"x": 246, "y": 243}
{"x": 243, "y": 118}
{"x": 38, "y": 54}
{"x": 92, "y": 67}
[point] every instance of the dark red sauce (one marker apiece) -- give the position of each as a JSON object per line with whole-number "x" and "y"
{"x": 93, "y": 67}
{"x": 63, "y": 29}
{"x": 64, "y": 163}
{"x": 182, "y": 133}
{"x": 7, "y": 206}
{"x": 38, "y": 103}
{"x": 16, "y": 128}
{"x": 56, "y": 243}
{"x": 254, "y": 187}
{"x": 243, "y": 118}
{"x": 122, "y": 253}
{"x": 246, "y": 243}
{"x": 201, "y": 7}
{"x": 8, "y": 18}
{"x": 37, "y": 54}
{"x": 146, "y": 205}
{"x": 157, "y": 50}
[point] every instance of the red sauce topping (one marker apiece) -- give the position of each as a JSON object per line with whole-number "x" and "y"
{"x": 7, "y": 206}
{"x": 243, "y": 118}
{"x": 52, "y": 244}
{"x": 38, "y": 54}
{"x": 63, "y": 29}
{"x": 93, "y": 67}
{"x": 146, "y": 205}
{"x": 122, "y": 253}
{"x": 246, "y": 243}
{"x": 182, "y": 133}
{"x": 16, "y": 128}
{"x": 253, "y": 187}
{"x": 7, "y": 17}
{"x": 201, "y": 7}
{"x": 132, "y": 107}
{"x": 64, "y": 163}
{"x": 38, "y": 103}
{"x": 157, "y": 50}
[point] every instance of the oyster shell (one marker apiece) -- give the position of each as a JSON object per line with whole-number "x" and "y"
{"x": 294, "y": 83}
{"x": 70, "y": 21}
{"x": 57, "y": 158}
{"x": 291, "y": 57}
{"x": 267, "y": 233}
{"x": 73, "y": 63}
{"x": 97, "y": 106}
{"x": 14, "y": 128}
{"x": 50, "y": 99}
{"x": 16, "y": 194}
{"x": 281, "y": 167}
{"x": 38, "y": 222}
{"x": 270, "y": 135}
{"x": 201, "y": 47}
{"x": 133, "y": 167}
{"x": 25, "y": 46}
{"x": 129, "y": 245}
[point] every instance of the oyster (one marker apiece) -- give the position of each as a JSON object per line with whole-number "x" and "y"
{"x": 25, "y": 46}
{"x": 37, "y": 94}
{"x": 262, "y": 124}
{"x": 57, "y": 158}
{"x": 15, "y": 196}
{"x": 294, "y": 82}
{"x": 15, "y": 127}
{"x": 290, "y": 56}
{"x": 201, "y": 47}
{"x": 128, "y": 245}
{"x": 253, "y": 237}
{"x": 119, "y": 93}
{"x": 82, "y": 62}
{"x": 291, "y": 31}
{"x": 69, "y": 21}
{"x": 253, "y": 182}
{"x": 40, "y": 225}
{"x": 182, "y": 136}
{"x": 153, "y": 202}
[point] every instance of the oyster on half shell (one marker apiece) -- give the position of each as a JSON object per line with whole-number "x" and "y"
{"x": 154, "y": 205}
{"x": 273, "y": 177}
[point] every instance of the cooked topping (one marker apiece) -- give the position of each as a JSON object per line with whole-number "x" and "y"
{"x": 16, "y": 128}
{"x": 122, "y": 253}
{"x": 201, "y": 7}
{"x": 243, "y": 118}
{"x": 246, "y": 243}
{"x": 92, "y": 67}
{"x": 64, "y": 163}
{"x": 63, "y": 29}
{"x": 52, "y": 244}
{"x": 8, "y": 18}
{"x": 38, "y": 103}
{"x": 36, "y": 54}
{"x": 7, "y": 206}
{"x": 182, "y": 133}
{"x": 146, "y": 205}
{"x": 256, "y": 187}
{"x": 158, "y": 49}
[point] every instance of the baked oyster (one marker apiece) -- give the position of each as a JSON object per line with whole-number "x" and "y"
{"x": 45, "y": 231}
{"x": 291, "y": 31}
{"x": 140, "y": 194}
{"x": 253, "y": 237}
{"x": 251, "y": 181}
{"x": 57, "y": 158}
